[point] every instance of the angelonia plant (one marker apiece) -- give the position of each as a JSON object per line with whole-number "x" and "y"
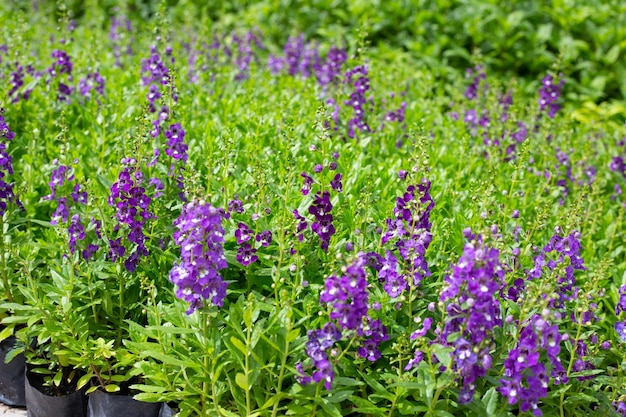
{"x": 239, "y": 225}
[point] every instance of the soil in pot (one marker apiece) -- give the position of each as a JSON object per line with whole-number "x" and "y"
{"x": 11, "y": 376}
{"x": 43, "y": 401}
{"x": 102, "y": 404}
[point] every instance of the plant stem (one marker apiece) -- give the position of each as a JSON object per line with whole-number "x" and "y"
{"x": 5, "y": 277}
{"x": 247, "y": 361}
{"x": 571, "y": 362}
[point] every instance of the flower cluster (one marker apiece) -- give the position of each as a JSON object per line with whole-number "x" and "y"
{"x": 245, "y": 52}
{"x": 201, "y": 238}
{"x": 154, "y": 74}
{"x": 549, "y": 95}
{"x": 477, "y": 75}
{"x": 304, "y": 59}
{"x": 473, "y": 311}
{"x": 318, "y": 343}
{"x": 560, "y": 254}
{"x": 116, "y": 35}
{"x": 323, "y": 223}
{"x": 63, "y": 175}
{"x": 62, "y": 65}
{"x": 348, "y": 295}
{"x": 93, "y": 81}
{"x": 620, "y": 326}
{"x": 410, "y": 231}
{"x": 526, "y": 377}
{"x": 6, "y": 166}
{"x": 375, "y": 333}
{"x": 176, "y": 146}
{"x": 128, "y": 197}
{"x": 358, "y": 78}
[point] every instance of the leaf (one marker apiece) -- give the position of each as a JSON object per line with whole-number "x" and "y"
{"x": 242, "y": 381}
{"x": 112, "y": 388}
{"x": 347, "y": 382}
{"x": 330, "y": 408}
{"x": 84, "y": 380}
{"x": 239, "y": 344}
{"x": 490, "y": 399}
{"x": 227, "y": 413}
{"x": 443, "y": 354}
{"x": 6, "y": 332}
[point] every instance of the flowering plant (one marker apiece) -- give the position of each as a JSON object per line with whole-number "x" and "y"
{"x": 240, "y": 229}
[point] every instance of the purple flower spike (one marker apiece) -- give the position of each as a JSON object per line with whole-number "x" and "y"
{"x": 201, "y": 237}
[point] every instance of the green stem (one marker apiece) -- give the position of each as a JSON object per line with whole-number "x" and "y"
{"x": 571, "y": 362}
{"x": 5, "y": 277}
{"x": 247, "y": 364}
{"x": 205, "y": 384}
{"x": 317, "y": 395}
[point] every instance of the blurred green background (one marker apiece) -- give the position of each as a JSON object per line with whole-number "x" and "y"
{"x": 583, "y": 39}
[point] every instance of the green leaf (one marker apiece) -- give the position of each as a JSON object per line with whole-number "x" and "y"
{"x": 490, "y": 399}
{"x": 443, "y": 354}
{"x": 329, "y": 408}
{"x": 6, "y": 332}
{"x": 112, "y": 388}
{"x": 84, "y": 380}
{"x": 239, "y": 344}
{"x": 242, "y": 381}
{"x": 227, "y": 413}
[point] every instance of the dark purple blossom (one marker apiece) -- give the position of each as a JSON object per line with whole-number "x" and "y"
{"x": 201, "y": 238}
{"x": 336, "y": 183}
{"x": 473, "y": 311}
{"x": 246, "y": 254}
{"x": 318, "y": 343}
{"x": 308, "y": 183}
{"x": 323, "y": 223}
{"x": 264, "y": 238}
{"x": 549, "y": 95}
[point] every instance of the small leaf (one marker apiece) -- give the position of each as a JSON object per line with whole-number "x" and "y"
{"x": 242, "y": 381}
{"x": 6, "y": 332}
{"x": 112, "y": 388}
{"x": 83, "y": 380}
{"x": 239, "y": 345}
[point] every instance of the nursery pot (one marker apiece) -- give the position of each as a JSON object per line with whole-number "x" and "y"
{"x": 39, "y": 404}
{"x": 166, "y": 411}
{"x": 11, "y": 376}
{"x": 102, "y": 404}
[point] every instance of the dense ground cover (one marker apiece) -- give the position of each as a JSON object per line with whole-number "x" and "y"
{"x": 243, "y": 224}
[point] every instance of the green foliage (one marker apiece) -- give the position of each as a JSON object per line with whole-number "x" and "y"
{"x": 95, "y": 323}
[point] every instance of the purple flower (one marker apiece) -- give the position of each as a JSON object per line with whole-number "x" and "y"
{"x": 76, "y": 231}
{"x": 201, "y": 237}
{"x": 323, "y": 223}
{"x": 336, "y": 183}
{"x": 265, "y": 238}
{"x": 318, "y": 343}
{"x": 473, "y": 310}
{"x": 348, "y": 295}
{"x": 308, "y": 182}
{"x": 176, "y": 146}
{"x": 549, "y": 94}
{"x": 620, "y": 329}
{"x": 93, "y": 81}
{"x": 243, "y": 233}
{"x": 246, "y": 254}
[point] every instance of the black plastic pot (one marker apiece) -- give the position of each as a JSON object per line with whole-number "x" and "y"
{"x": 166, "y": 411}
{"x": 11, "y": 376}
{"x": 39, "y": 404}
{"x": 102, "y": 404}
